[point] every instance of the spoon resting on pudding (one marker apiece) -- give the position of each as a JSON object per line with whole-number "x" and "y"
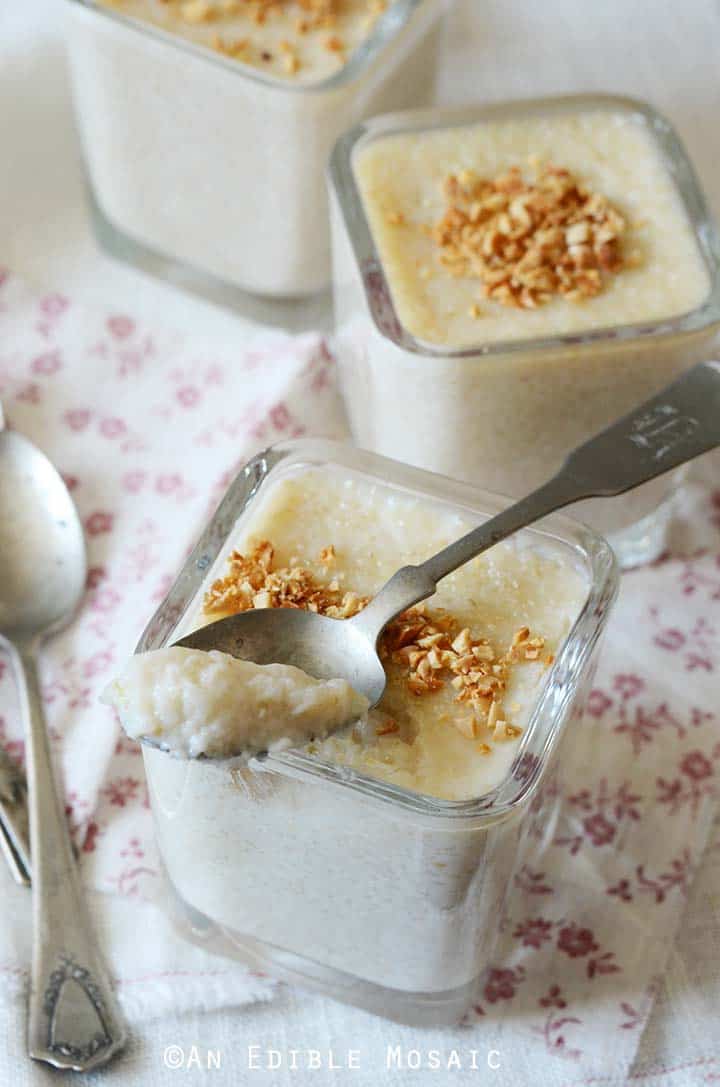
{"x": 279, "y": 645}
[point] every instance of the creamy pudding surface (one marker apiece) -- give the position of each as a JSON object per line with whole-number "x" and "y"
{"x": 464, "y": 669}
{"x": 305, "y": 41}
{"x": 419, "y": 193}
{"x": 194, "y": 703}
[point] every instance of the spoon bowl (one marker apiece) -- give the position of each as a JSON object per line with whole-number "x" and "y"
{"x": 43, "y": 567}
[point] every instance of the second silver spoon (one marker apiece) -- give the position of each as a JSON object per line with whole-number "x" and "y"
{"x": 74, "y": 1020}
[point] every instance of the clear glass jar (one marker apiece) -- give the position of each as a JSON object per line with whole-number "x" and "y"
{"x": 321, "y": 875}
{"x": 211, "y": 165}
{"x": 505, "y": 414}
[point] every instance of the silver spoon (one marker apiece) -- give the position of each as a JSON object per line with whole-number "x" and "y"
{"x": 680, "y": 423}
{"x": 74, "y": 1021}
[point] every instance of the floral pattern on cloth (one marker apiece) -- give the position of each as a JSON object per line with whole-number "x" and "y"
{"x": 147, "y": 429}
{"x": 597, "y": 903}
{"x": 147, "y": 432}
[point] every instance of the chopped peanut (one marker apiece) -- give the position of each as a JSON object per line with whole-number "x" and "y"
{"x": 528, "y": 241}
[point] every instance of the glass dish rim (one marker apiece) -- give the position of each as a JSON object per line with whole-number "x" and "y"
{"x": 343, "y": 187}
{"x": 561, "y": 681}
{"x": 388, "y": 25}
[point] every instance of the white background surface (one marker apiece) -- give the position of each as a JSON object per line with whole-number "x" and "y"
{"x": 664, "y": 51}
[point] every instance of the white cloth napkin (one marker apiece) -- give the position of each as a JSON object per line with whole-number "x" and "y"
{"x": 147, "y": 429}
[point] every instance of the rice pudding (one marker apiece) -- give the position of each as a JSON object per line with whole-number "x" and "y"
{"x": 206, "y": 125}
{"x": 464, "y": 669}
{"x": 510, "y": 280}
{"x": 404, "y": 181}
{"x": 303, "y": 40}
{"x": 340, "y": 865}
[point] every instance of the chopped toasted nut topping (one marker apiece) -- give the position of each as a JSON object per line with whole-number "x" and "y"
{"x": 291, "y": 63}
{"x": 236, "y": 47}
{"x": 492, "y": 714}
{"x": 198, "y": 11}
{"x": 305, "y": 17}
{"x": 315, "y": 12}
{"x": 387, "y": 728}
{"x": 466, "y": 726}
{"x": 425, "y": 645}
{"x": 292, "y": 587}
{"x": 528, "y": 241}
{"x": 500, "y": 730}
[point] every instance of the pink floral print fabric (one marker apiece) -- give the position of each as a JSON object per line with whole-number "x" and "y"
{"x": 147, "y": 430}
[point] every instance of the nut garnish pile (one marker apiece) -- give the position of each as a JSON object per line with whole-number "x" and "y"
{"x": 530, "y": 240}
{"x": 313, "y": 13}
{"x": 252, "y": 583}
{"x": 303, "y": 17}
{"x": 427, "y": 645}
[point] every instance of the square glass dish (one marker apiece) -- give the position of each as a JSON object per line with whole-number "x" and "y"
{"x": 215, "y": 166}
{"x": 437, "y": 376}
{"x": 341, "y": 878}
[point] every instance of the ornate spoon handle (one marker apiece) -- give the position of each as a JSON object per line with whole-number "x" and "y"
{"x": 680, "y": 423}
{"x": 74, "y": 1020}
